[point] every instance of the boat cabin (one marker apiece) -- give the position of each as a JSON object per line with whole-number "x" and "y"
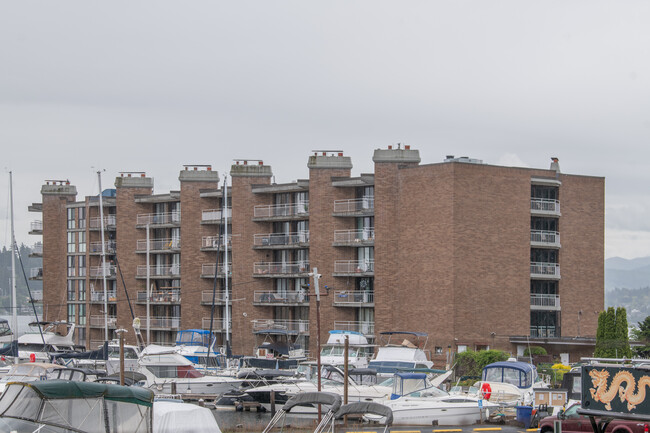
{"x": 520, "y": 374}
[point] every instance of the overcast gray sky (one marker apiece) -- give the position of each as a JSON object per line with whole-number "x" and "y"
{"x": 152, "y": 85}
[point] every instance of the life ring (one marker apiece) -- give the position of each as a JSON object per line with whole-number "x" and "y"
{"x": 486, "y": 390}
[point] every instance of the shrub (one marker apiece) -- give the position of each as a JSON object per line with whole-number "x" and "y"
{"x": 534, "y": 351}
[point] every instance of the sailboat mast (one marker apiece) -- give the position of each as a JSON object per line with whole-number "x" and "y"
{"x": 225, "y": 262}
{"x": 14, "y": 306}
{"x": 101, "y": 225}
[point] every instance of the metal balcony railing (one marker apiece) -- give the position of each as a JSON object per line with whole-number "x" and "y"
{"x": 294, "y": 326}
{"x": 354, "y": 205}
{"x": 108, "y": 271}
{"x": 109, "y": 221}
{"x": 37, "y": 248}
{"x": 544, "y": 270}
{"x": 353, "y": 297}
{"x": 270, "y": 297}
{"x": 37, "y": 295}
{"x": 545, "y": 238}
{"x": 544, "y": 300}
{"x": 279, "y": 210}
{"x": 353, "y": 266}
{"x": 36, "y": 273}
{"x": 158, "y": 244}
{"x": 366, "y": 328}
{"x": 98, "y": 321}
{"x": 218, "y": 324}
{"x": 545, "y": 206}
{"x": 98, "y": 296}
{"x": 36, "y": 226}
{"x": 219, "y": 297}
{"x": 209, "y": 268}
{"x": 544, "y": 331}
{"x": 213, "y": 242}
{"x": 159, "y": 270}
{"x": 354, "y": 236}
{"x": 214, "y": 215}
{"x": 171, "y": 323}
{"x": 171, "y": 295}
{"x": 280, "y": 268}
{"x": 281, "y": 239}
{"x": 158, "y": 218}
{"x": 109, "y": 247}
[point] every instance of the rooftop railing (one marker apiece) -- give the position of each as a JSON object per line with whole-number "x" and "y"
{"x": 279, "y": 210}
{"x": 281, "y": 239}
{"x": 280, "y": 268}
{"x": 354, "y": 205}
{"x": 159, "y": 218}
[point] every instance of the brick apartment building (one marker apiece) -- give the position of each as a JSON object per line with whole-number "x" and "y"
{"x": 468, "y": 252}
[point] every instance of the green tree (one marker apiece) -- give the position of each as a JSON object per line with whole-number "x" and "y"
{"x": 642, "y": 335}
{"x": 611, "y": 337}
{"x": 471, "y": 363}
{"x": 622, "y": 338}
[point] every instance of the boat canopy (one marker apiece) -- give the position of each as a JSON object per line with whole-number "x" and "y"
{"x": 193, "y": 337}
{"x": 520, "y": 374}
{"x": 57, "y": 389}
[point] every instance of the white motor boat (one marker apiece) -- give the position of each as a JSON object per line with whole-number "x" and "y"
{"x": 510, "y": 382}
{"x": 401, "y": 351}
{"x": 359, "y": 351}
{"x": 168, "y": 372}
{"x": 28, "y": 372}
{"x": 54, "y": 337}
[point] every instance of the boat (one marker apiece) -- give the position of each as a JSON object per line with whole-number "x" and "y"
{"x": 54, "y": 337}
{"x": 168, "y": 372}
{"x": 402, "y": 350}
{"x": 364, "y": 408}
{"x": 82, "y": 407}
{"x": 510, "y": 382}
{"x": 6, "y": 335}
{"x": 313, "y": 400}
{"x": 28, "y": 372}
{"x": 196, "y": 344}
{"x": 416, "y": 402}
{"x": 172, "y": 416}
{"x": 359, "y": 351}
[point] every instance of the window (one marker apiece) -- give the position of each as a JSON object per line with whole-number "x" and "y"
{"x": 544, "y": 191}
{"x": 82, "y": 290}
{"x": 82, "y": 266}
{"x": 71, "y": 218}
{"x": 71, "y": 290}
{"x": 81, "y": 334}
{"x": 71, "y": 266}
{"x": 72, "y": 318}
{"x": 82, "y": 242}
{"x": 82, "y": 314}
{"x": 82, "y": 217}
{"x": 438, "y": 350}
{"x": 462, "y": 348}
{"x": 72, "y": 242}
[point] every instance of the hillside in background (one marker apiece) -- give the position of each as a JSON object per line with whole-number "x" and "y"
{"x": 21, "y": 287}
{"x": 627, "y": 284}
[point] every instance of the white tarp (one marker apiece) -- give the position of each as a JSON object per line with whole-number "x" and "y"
{"x": 176, "y": 417}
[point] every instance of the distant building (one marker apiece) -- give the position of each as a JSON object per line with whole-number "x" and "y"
{"x": 476, "y": 255}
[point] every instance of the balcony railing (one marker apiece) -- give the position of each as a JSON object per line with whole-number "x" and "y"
{"x": 207, "y": 269}
{"x": 354, "y": 266}
{"x": 109, "y": 247}
{"x": 349, "y": 297}
{"x": 36, "y": 226}
{"x": 172, "y": 295}
{"x": 366, "y": 328}
{"x": 218, "y": 324}
{"x": 544, "y": 301}
{"x": 98, "y": 296}
{"x": 109, "y": 221}
{"x": 544, "y": 270}
{"x": 98, "y": 321}
{"x": 158, "y": 244}
{"x": 158, "y": 218}
{"x": 37, "y": 248}
{"x": 219, "y": 297}
{"x": 270, "y": 297}
{"x": 280, "y": 268}
{"x": 36, "y": 273}
{"x": 159, "y": 271}
{"x": 354, "y": 236}
{"x": 213, "y": 242}
{"x": 108, "y": 271}
{"x": 281, "y": 239}
{"x": 215, "y": 215}
{"x": 171, "y": 323}
{"x": 354, "y": 205}
{"x": 292, "y": 326}
{"x": 545, "y": 206}
{"x": 545, "y": 238}
{"x": 544, "y": 331}
{"x": 37, "y": 295}
{"x": 280, "y": 210}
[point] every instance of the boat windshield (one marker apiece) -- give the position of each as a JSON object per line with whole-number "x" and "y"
{"x": 193, "y": 338}
{"x": 129, "y": 352}
{"x": 174, "y": 371}
{"x": 4, "y": 329}
{"x": 513, "y": 376}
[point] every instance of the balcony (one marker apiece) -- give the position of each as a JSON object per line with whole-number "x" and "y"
{"x": 214, "y": 216}
{"x": 354, "y": 238}
{"x": 354, "y": 207}
{"x": 109, "y": 223}
{"x": 281, "y": 240}
{"x": 540, "y": 301}
{"x": 544, "y": 331}
{"x": 219, "y": 297}
{"x": 354, "y": 268}
{"x": 207, "y": 270}
{"x": 545, "y": 207}
{"x": 544, "y": 238}
{"x": 351, "y": 298}
{"x": 158, "y": 245}
{"x": 162, "y": 323}
{"x": 98, "y": 296}
{"x": 366, "y": 328}
{"x": 159, "y": 271}
{"x": 37, "y": 250}
{"x": 280, "y": 326}
{"x": 281, "y": 269}
{"x": 218, "y": 324}
{"x": 36, "y": 227}
{"x": 281, "y": 212}
{"x": 98, "y": 322}
{"x": 36, "y": 273}
{"x": 169, "y": 219}
{"x": 545, "y": 271}
{"x": 96, "y": 247}
{"x": 270, "y": 298}
{"x": 159, "y": 297}
{"x": 211, "y": 243}
{"x": 108, "y": 271}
